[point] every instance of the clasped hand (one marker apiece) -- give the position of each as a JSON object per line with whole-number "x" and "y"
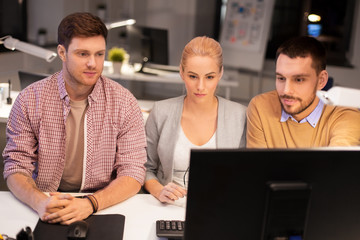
{"x": 171, "y": 192}
{"x": 64, "y": 209}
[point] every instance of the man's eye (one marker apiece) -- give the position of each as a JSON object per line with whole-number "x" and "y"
{"x": 299, "y": 80}
{"x": 280, "y": 78}
{"x": 83, "y": 54}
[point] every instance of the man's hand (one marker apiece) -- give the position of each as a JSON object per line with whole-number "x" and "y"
{"x": 171, "y": 192}
{"x": 65, "y": 209}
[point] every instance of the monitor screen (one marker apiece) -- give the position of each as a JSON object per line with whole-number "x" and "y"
{"x": 27, "y": 78}
{"x": 147, "y": 42}
{"x": 273, "y": 194}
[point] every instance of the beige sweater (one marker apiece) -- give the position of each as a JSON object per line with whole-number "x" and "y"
{"x": 337, "y": 126}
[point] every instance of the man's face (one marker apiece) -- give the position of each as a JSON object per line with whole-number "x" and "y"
{"x": 296, "y": 85}
{"x": 83, "y": 62}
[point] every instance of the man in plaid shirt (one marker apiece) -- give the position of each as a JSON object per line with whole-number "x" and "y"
{"x": 75, "y": 131}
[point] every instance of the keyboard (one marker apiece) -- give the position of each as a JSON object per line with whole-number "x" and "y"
{"x": 170, "y": 228}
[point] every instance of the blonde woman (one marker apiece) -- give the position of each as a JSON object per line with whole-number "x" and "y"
{"x": 199, "y": 119}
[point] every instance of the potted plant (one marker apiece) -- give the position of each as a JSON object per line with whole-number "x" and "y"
{"x": 117, "y": 56}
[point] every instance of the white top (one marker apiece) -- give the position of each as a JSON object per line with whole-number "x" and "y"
{"x": 182, "y": 150}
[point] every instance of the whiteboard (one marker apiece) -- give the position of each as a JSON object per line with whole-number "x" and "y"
{"x": 245, "y": 33}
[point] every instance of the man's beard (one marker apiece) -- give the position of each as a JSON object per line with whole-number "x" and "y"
{"x": 301, "y": 108}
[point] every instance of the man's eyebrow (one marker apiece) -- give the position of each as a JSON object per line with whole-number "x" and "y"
{"x": 85, "y": 50}
{"x": 296, "y": 75}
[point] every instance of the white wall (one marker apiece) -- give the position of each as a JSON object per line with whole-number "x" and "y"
{"x": 178, "y": 16}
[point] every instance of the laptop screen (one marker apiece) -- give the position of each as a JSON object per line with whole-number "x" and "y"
{"x": 273, "y": 194}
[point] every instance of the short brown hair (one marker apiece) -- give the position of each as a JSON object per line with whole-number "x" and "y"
{"x": 202, "y": 46}
{"x": 303, "y": 47}
{"x": 81, "y": 24}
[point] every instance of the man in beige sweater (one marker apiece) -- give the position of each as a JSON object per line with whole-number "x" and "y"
{"x": 292, "y": 116}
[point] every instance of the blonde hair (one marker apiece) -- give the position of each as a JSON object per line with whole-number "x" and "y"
{"x": 202, "y": 46}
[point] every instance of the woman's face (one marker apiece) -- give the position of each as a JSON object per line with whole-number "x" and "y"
{"x": 201, "y": 75}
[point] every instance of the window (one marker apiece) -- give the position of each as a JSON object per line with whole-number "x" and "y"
{"x": 290, "y": 19}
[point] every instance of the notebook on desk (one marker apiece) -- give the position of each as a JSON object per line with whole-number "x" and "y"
{"x": 110, "y": 227}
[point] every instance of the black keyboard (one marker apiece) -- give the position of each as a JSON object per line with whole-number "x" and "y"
{"x": 170, "y": 228}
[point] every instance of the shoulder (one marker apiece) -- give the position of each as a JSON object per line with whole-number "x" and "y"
{"x": 267, "y": 102}
{"x": 265, "y": 106}
{"x": 339, "y": 112}
{"x": 170, "y": 102}
{"x": 231, "y": 105}
{"x": 40, "y": 89}
{"x": 265, "y": 98}
{"x": 166, "y": 111}
{"x": 116, "y": 93}
{"x": 167, "y": 107}
{"x": 114, "y": 87}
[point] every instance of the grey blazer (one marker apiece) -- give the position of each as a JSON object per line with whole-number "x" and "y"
{"x": 162, "y": 128}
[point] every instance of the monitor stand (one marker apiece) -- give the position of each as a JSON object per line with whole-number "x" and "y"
{"x": 286, "y": 210}
{"x": 143, "y": 63}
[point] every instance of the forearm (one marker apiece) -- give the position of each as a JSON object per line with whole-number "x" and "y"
{"x": 117, "y": 191}
{"x": 153, "y": 187}
{"x": 24, "y": 188}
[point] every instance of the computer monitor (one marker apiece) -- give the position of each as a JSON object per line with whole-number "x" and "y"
{"x": 27, "y": 78}
{"x": 147, "y": 42}
{"x": 274, "y": 194}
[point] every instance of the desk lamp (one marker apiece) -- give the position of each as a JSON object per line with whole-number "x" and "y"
{"x": 341, "y": 96}
{"x": 122, "y": 23}
{"x": 13, "y": 43}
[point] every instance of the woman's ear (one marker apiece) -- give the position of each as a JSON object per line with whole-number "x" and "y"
{"x": 323, "y": 78}
{"x": 61, "y": 52}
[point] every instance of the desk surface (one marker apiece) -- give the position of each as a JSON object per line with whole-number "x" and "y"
{"x": 6, "y": 108}
{"x": 169, "y": 77}
{"x": 140, "y": 211}
{"x": 165, "y": 77}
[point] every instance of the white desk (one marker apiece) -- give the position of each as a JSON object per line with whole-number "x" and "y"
{"x": 145, "y": 105}
{"x": 166, "y": 78}
{"x": 140, "y": 211}
{"x": 6, "y": 108}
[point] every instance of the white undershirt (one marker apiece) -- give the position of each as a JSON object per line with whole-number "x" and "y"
{"x": 182, "y": 156}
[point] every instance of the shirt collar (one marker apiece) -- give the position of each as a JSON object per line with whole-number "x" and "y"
{"x": 63, "y": 93}
{"x": 312, "y": 118}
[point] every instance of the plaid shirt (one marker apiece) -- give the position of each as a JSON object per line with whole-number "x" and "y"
{"x": 115, "y": 143}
